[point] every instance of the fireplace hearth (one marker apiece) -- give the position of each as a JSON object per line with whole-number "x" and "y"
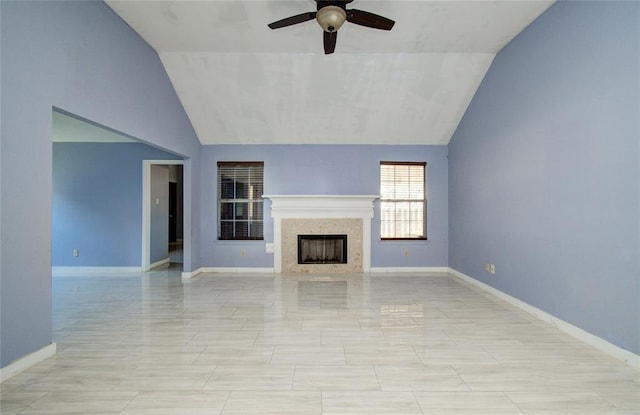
{"x": 322, "y": 249}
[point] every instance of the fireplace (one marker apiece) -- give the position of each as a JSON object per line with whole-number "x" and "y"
{"x": 322, "y": 249}
{"x": 295, "y": 215}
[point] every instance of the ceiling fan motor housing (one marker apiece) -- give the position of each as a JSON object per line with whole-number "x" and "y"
{"x": 331, "y": 18}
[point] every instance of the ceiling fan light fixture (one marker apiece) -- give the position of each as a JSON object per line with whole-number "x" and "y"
{"x": 331, "y": 18}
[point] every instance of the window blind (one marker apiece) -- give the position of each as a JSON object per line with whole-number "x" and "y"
{"x": 240, "y": 203}
{"x": 402, "y": 200}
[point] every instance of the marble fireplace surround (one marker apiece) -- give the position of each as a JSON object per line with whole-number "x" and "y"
{"x": 327, "y": 213}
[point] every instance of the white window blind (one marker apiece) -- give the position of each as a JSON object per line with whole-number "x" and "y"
{"x": 240, "y": 204}
{"x": 402, "y": 200}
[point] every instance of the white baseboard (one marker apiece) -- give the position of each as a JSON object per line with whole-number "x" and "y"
{"x": 158, "y": 263}
{"x": 599, "y": 343}
{"x": 227, "y": 270}
{"x": 239, "y": 270}
{"x": 404, "y": 270}
{"x": 259, "y": 270}
{"x": 92, "y": 271}
{"x": 27, "y": 361}
{"x": 190, "y": 274}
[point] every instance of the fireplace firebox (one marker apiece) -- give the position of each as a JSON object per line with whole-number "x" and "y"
{"x": 322, "y": 249}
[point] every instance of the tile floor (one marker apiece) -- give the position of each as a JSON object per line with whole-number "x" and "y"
{"x": 351, "y": 344}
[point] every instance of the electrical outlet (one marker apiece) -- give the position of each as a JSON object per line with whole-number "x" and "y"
{"x": 243, "y": 253}
{"x": 492, "y": 268}
{"x": 486, "y": 267}
{"x": 76, "y": 252}
{"x": 406, "y": 252}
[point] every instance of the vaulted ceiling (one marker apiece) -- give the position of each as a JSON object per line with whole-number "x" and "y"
{"x": 243, "y": 83}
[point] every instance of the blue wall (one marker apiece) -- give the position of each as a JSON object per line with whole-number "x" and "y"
{"x": 80, "y": 57}
{"x": 97, "y": 204}
{"x": 328, "y": 169}
{"x": 543, "y": 170}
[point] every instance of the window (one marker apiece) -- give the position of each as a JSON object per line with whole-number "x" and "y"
{"x": 240, "y": 188}
{"x": 402, "y": 200}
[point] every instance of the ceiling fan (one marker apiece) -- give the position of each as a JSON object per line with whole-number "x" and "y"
{"x": 331, "y": 14}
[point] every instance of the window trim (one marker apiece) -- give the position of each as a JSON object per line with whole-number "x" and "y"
{"x": 424, "y": 201}
{"x": 219, "y": 200}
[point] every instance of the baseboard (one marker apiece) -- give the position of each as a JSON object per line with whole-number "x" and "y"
{"x": 92, "y": 271}
{"x": 389, "y": 270}
{"x": 599, "y": 343}
{"x": 190, "y": 274}
{"x": 238, "y": 270}
{"x": 158, "y": 263}
{"x": 259, "y": 270}
{"x": 27, "y": 361}
{"x": 228, "y": 270}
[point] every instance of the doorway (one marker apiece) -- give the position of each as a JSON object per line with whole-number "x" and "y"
{"x": 176, "y": 236}
{"x": 96, "y": 197}
{"x": 162, "y": 214}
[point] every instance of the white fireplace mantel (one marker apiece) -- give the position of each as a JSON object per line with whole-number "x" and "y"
{"x": 320, "y": 207}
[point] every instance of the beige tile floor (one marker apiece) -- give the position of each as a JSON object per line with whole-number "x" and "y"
{"x": 351, "y": 344}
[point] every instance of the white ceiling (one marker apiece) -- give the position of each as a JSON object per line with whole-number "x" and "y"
{"x": 243, "y": 83}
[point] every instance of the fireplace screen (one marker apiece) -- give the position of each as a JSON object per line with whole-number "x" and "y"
{"x": 322, "y": 249}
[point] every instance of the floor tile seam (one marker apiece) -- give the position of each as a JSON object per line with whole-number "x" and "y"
{"x": 273, "y": 352}
{"x": 377, "y": 377}
{"x": 198, "y": 358}
{"x": 418, "y": 354}
{"x": 30, "y": 406}
{"x": 457, "y": 372}
{"x": 492, "y": 355}
{"x": 612, "y": 406}
{"x": 124, "y": 408}
{"x": 506, "y": 394}
{"x": 415, "y": 398}
{"x": 444, "y": 331}
{"x": 224, "y": 405}
{"x": 206, "y": 382}
{"x": 244, "y": 325}
{"x": 397, "y": 392}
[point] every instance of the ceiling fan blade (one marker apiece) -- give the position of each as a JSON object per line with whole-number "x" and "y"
{"x": 330, "y": 42}
{"x": 362, "y": 18}
{"x": 289, "y": 21}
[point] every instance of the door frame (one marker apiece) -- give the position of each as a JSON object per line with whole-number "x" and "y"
{"x": 146, "y": 207}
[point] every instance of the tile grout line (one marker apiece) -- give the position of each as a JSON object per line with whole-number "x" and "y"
{"x": 415, "y": 398}
{"x": 226, "y": 401}
{"x": 377, "y": 377}
{"x": 506, "y": 394}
